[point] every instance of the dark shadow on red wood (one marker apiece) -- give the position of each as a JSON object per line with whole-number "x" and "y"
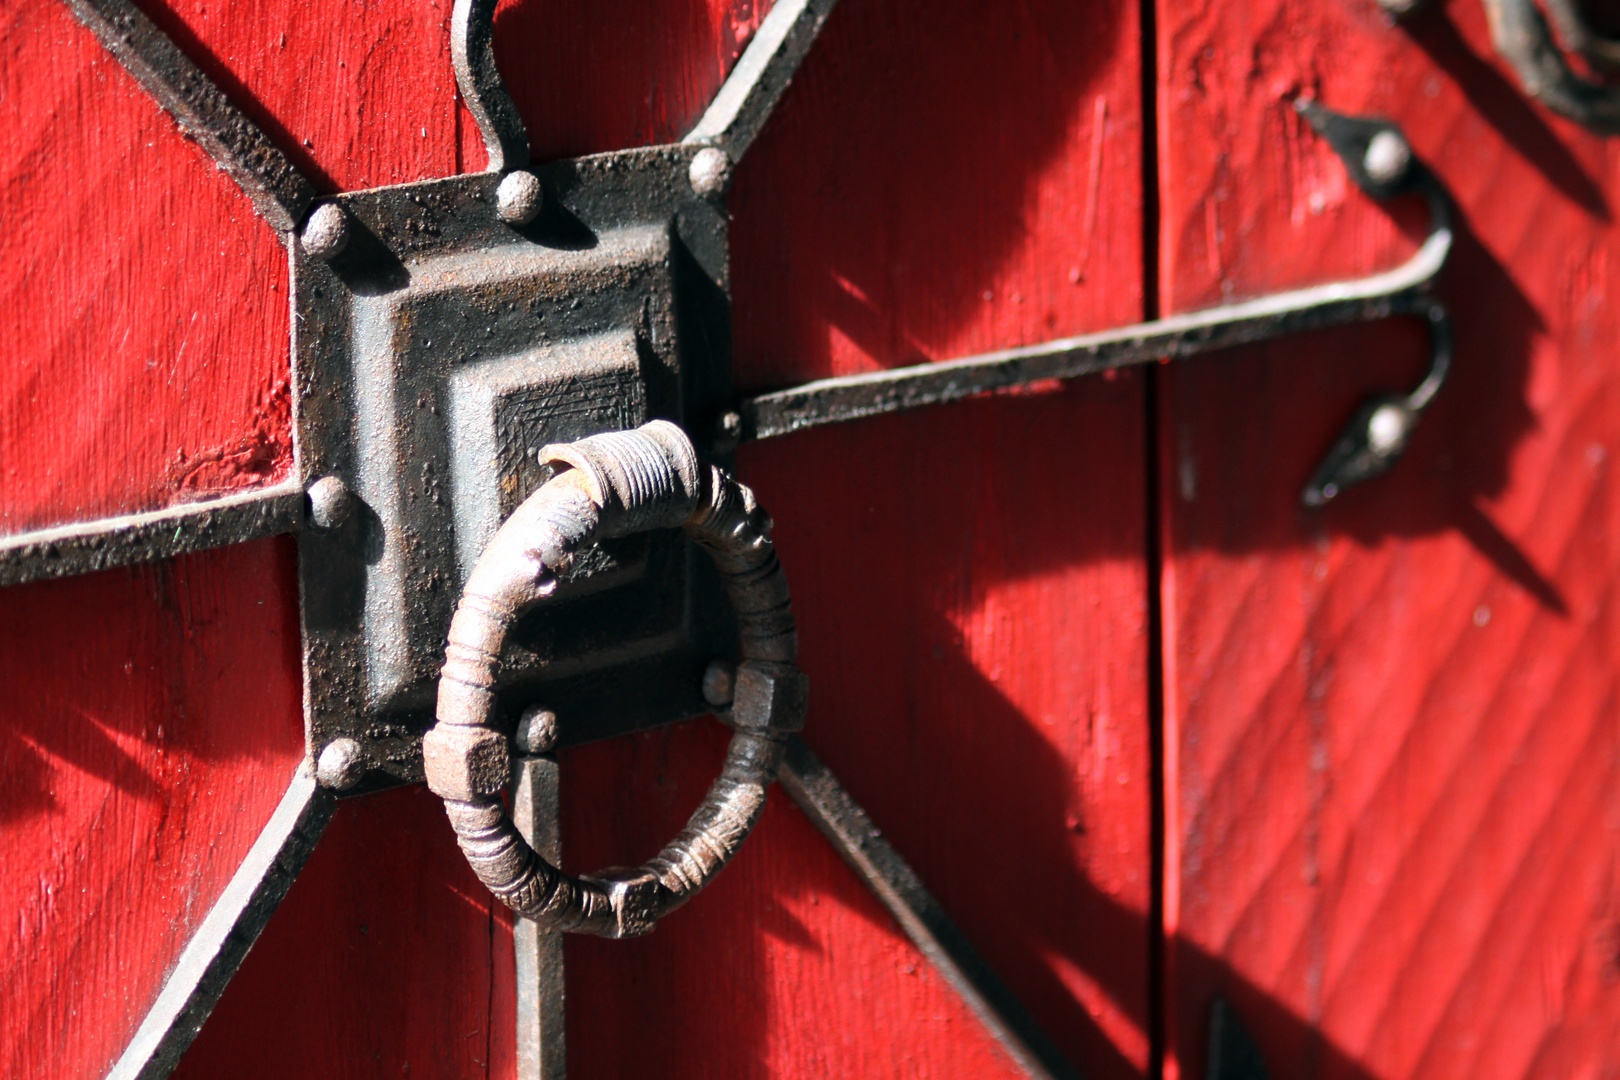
{"x": 595, "y": 77}
{"x": 1504, "y": 104}
{"x": 880, "y": 217}
{"x": 84, "y": 700}
{"x": 1459, "y": 456}
{"x": 179, "y": 32}
{"x": 386, "y": 959}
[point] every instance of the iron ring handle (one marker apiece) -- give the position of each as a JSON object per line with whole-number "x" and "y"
{"x": 611, "y": 485}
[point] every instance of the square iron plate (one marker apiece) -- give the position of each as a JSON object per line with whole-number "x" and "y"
{"x": 436, "y": 354}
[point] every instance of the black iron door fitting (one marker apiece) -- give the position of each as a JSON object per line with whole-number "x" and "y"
{"x": 506, "y": 385}
{"x": 615, "y": 484}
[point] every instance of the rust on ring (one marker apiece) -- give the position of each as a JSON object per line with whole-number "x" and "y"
{"x": 610, "y": 485}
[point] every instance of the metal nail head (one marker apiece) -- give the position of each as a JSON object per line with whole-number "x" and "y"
{"x": 340, "y": 765}
{"x": 719, "y": 682}
{"x": 1388, "y": 157}
{"x": 519, "y": 197}
{"x": 1387, "y": 429}
{"x": 536, "y": 730}
{"x": 710, "y": 172}
{"x": 326, "y": 233}
{"x": 330, "y": 503}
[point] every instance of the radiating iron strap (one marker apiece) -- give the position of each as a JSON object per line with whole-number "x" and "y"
{"x": 1379, "y": 160}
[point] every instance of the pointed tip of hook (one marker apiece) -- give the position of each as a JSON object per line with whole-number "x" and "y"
{"x": 1370, "y": 445}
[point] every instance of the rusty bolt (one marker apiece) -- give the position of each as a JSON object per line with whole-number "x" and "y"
{"x": 710, "y": 172}
{"x": 1387, "y": 158}
{"x": 519, "y": 197}
{"x": 719, "y": 682}
{"x": 340, "y": 765}
{"x": 326, "y": 233}
{"x": 536, "y": 730}
{"x": 331, "y": 503}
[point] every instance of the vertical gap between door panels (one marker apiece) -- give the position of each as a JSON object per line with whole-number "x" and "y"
{"x": 1148, "y": 52}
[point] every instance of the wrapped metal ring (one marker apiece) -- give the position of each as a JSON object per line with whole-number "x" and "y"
{"x": 613, "y": 485}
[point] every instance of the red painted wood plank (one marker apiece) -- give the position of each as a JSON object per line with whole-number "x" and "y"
{"x": 591, "y": 77}
{"x": 973, "y": 612}
{"x": 1040, "y": 664}
{"x": 124, "y": 383}
{"x": 358, "y": 95}
{"x": 971, "y": 597}
{"x": 149, "y": 725}
{"x": 938, "y": 182}
{"x": 785, "y": 967}
{"x": 386, "y": 959}
{"x": 1390, "y": 736}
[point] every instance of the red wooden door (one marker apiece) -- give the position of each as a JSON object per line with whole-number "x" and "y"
{"x": 1151, "y": 734}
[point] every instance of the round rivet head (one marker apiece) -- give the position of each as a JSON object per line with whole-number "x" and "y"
{"x": 710, "y": 172}
{"x": 728, "y": 431}
{"x": 1387, "y": 429}
{"x": 330, "y": 503}
{"x": 536, "y": 730}
{"x": 519, "y": 197}
{"x": 1387, "y": 158}
{"x": 340, "y": 765}
{"x": 326, "y": 233}
{"x": 719, "y": 682}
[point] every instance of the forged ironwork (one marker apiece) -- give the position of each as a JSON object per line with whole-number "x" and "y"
{"x": 98, "y": 545}
{"x": 280, "y": 193}
{"x": 1356, "y": 456}
{"x": 614, "y": 484}
{"x": 748, "y": 97}
{"x": 1521, "y": 35}
{"x": 1579, "y": 37}
{"x": 541, "y": 993}
{"x": 434, "y": 357}
{"x": 897, "y": 886}
{"x": 364, "y": 251}
{"x": 228, "y": 931}
{"x": 472, "y": 54}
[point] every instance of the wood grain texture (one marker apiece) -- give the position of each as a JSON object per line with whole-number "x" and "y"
{"x": 970, "y": 590}
{"x": 1391, "y": 727}
{"x": 785, "y": 967}
{"x": 929, "y": 194}
{"x": 388, "y": 958}
{"x": 972, "y": 608}
{"x": 357, "y": 93}
{"x": 969, "y": 581}
{"x": 124, "y": 383}
{"x": 595, "y": 77}
{"x": 941, "y": 181}
{"x": 148, "y": 728}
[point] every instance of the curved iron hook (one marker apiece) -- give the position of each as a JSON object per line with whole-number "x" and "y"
{"x": 472, "y": 53}
{"x": 1381, "y": 429}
